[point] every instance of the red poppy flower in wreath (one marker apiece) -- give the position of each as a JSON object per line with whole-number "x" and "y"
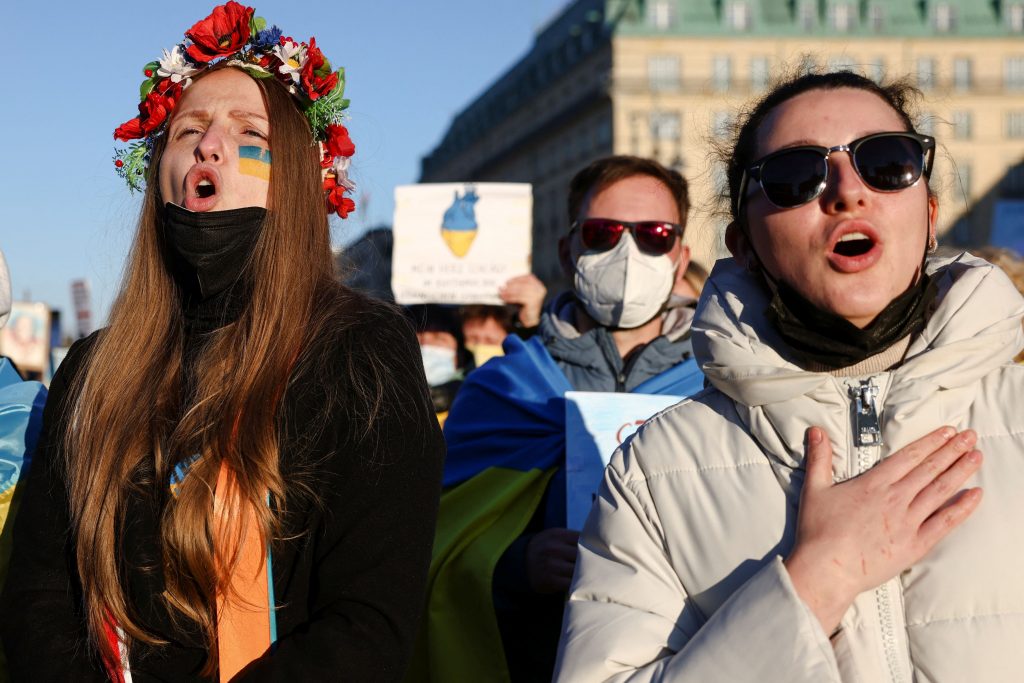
{"x": 317, "y": 76}
{"x": 337, "y": 144}
{"x": 224, "y": 32}
{"x": 337, "y": 202}
{"x": 153, "y": 112}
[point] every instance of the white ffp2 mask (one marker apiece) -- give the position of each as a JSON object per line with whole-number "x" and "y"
{"x": 623, "y": 287}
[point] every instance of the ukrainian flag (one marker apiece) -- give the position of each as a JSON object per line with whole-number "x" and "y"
{"x": 254, "y": 161}
{"x": 506, "y": 439}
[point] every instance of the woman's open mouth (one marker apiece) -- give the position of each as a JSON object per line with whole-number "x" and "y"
{"x": 201, "y": 185}
{"x": 854, "y": 244}
{"x": 856, "y": 248}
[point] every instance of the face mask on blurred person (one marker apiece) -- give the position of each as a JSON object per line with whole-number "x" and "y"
{"x": 623, "y": 287}
{"x": 438, "y": 364}
{"x": 484, "y": 352}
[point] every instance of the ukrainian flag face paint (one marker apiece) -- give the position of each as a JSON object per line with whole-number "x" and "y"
{"x": 254, "y": 161}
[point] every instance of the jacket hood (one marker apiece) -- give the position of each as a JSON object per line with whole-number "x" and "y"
{"x": 973, "y": 328}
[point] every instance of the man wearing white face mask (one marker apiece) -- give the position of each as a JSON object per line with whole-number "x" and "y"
{"x": 503, "y": 514}
{"x": 621, "y": 326}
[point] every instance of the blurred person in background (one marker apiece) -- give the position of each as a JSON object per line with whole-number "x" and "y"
{"x": 238, "y": 477}
{"x": 21, "y": 418}
{"x": 797, "y": 521}
{"x": 503, "y": 558}
{"x": 446, "y": 360}
{"x": 484, "y": 327}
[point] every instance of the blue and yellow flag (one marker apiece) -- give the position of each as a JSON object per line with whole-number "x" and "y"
{"x": 254, "y": 161}
{"x": 506, "y": 439}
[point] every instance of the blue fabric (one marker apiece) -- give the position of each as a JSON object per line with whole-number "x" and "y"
{"x": 511, "y": 411}
{"x": 21, "y": 418}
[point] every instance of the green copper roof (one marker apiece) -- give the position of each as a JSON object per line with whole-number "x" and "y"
{"x": 819, "y": 18}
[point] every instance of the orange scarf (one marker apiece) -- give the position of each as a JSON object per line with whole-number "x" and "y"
{"x": 244, "y": 619}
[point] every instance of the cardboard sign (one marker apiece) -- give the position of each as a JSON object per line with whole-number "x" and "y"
{"x": 457, "y": 243}
{"x": 596, "y": 423}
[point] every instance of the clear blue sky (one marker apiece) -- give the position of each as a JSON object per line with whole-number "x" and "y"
{"x": 73, "y": 71}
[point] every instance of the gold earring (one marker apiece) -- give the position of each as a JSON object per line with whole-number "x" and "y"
{"x": 933, "y": 244}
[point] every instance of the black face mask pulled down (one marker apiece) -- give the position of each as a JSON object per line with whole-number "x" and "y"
{"x": 833, "y": 341}
{"x": 207, "y": 253}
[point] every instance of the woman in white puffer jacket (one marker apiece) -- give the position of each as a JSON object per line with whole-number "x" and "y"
{"x": 817, "y": 514}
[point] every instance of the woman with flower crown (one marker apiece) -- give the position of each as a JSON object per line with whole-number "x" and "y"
{"x": 237, "y": 478}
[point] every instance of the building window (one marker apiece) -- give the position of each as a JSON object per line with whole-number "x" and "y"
{"x": 738, "y": 15}
{"x": 663, "y": 73}
{"x": 963, "y": 185}
{"x": 666, "y": 125}
{"x": 925, "y": 73}
{"x": 962, "y": 125}
{"x": 842, "y": 16}
{"x": 876, "y": 17}
{"x": 842, "y": 63}
{"x": 1015, "y": 17}
{"x": 1013, "y": 73}
{"x": 962, "y": 73}
{"x": 944, "y": 18}
{"x": 721, "y": 72}
{"x": 758, "y": 73}
{"x": 1015, "y": 124}
{"x": 721, "y": 124}
{"x": 807, "y": 65}
{"x": 660, "y": 14}
{"x": 927, "y": 124}
{"x": 807, "y": 15}
{"x": 876, "y": 69}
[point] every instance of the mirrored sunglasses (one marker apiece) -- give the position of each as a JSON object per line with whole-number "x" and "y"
{"x": 653, "y": 237}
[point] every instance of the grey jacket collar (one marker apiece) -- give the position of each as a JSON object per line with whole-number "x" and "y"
{"x": 591, "y": 360}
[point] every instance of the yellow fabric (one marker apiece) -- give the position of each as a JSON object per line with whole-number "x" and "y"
{"x": 477, "y": 522}
{"x": 243, "y": 616}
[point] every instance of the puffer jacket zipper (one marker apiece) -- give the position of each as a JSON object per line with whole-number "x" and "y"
{"x": 867, "y": 441}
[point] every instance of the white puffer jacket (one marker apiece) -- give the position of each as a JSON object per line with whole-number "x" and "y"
{"x": 680, "y": 576}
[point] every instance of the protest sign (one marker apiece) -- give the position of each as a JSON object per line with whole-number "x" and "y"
{"x": 596, "y": 423}
{"x": 457, "y": 243}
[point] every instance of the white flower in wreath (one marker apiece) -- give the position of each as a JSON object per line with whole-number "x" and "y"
{"x": 340, "y": 170}
{"x": 174, "y": 66}
{"x": 292, "y": 56}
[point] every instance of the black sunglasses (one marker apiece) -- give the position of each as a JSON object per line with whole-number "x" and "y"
{"x": 653, "y": 237}
{"x": 887, "y": 162}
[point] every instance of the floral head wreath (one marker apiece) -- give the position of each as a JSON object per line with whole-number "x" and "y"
{"x": 233, "y": 35}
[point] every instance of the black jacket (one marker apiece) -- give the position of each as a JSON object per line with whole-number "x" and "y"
{"x": 349, "y": 581}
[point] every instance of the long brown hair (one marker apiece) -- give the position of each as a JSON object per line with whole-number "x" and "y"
{"x": 128, "y": 428}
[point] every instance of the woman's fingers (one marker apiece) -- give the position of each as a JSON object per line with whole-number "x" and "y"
{"x": 947, "y": 518}
{"x": 903, "y": 461}
{"x": 818, "y": 461}
{"x": 937, "y": 462}
{"x": 941, "y": 488}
